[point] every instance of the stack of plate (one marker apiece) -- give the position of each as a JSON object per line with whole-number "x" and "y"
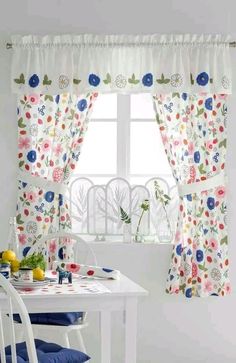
{"x": 28, "y": 286}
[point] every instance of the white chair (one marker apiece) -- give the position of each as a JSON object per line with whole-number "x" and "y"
{"x": 63, "y": 331}
{"x": 10, "y": 301}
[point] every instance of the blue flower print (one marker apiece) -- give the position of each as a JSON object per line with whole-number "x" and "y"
{"x": 179, "y": 250}
{"x": 199, "y": 255}
{"x": 61, "y": 253}
{"x": 49, "y": 197}
{"x": 188, "y": 292}
{"x": 211, "y": 203}
{"x": 94, "y": 80}
{"x": 202, "y": 79}
{"x": 197, "y": 157}
{"x": 147, "y": 80}
{"x": 60, "y": 200}
{"x": 57, "y": 99}
{"x": 32, "y": 156}
{"x": 82, "y": 105}
{"x": 64, "y": 157}
{"x": 208, "y": 103}
{"x": 189, "y": 197}
{"x": 34, "y": 81}
{"x": 25, "y": 251}
{"x": 184, "y": 96}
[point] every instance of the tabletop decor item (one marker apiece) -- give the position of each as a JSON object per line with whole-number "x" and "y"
{"x": 63, "y": 274}
{"x": 5, "y": 268}
{"x": 144, "y": 207}
{"x": 25, "y": 274}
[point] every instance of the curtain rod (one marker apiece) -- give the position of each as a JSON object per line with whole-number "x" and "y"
{"x": 231, "y": 44}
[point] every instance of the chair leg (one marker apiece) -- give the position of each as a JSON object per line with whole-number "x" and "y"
{"x": 80, "y": 341}
{"x": 65, "y": 340}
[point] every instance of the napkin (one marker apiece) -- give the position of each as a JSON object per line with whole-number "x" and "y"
{"x": 87, "y": 270}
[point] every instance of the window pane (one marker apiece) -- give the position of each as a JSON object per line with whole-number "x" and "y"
{"x": 142, "y": 106}
{"x": 98, "y": 154}
{"x": 147, "y": 155}
{"x": 105, "y": 106}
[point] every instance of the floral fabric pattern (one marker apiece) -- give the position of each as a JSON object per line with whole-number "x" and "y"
{"x": 51, "y": 131}
{"x": 193, "y": 130}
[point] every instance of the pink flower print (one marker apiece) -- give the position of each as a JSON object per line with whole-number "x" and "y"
{"x": 177, "y": 236}
{"x": 24, "y": 143}
{"x": 194, "y": 269}
{"x": 33, "y": 98}
{"x": 192, "y": 173}
{"x": 52, "y": 246}
{"x": 220, "y": 192}
{"x": 57, "y": 174}
{"x": 213, "y": 243}
{"x": 22, "y": 239}
{"x": 228, "y": 288}
{"x": 46, "y": 145}
{"x": 209, "y": 145}
{"x": 31, "y": 196}
{"x": 58, "y": 149}
{"x": 164, "y": 139}
{"x": 190, "y": 148}
{"x": 207, "y": 286}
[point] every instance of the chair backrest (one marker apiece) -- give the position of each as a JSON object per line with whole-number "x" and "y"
{"x": 43, "y": 244}
{"x": 9, "y": 300}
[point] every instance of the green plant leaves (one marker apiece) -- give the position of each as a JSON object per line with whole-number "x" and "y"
{"x": 20, "y": 80}
{"x": 124, "y": 216}
{"x": 133, "y": 80}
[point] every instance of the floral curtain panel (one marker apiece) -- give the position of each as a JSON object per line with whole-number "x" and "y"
{"x": 51, "y": 131}
{"x": 193, "y": 130}
{"x": 191, "y": 76}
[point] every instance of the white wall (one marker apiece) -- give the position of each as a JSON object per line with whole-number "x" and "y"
{"x": 171, "y": 329}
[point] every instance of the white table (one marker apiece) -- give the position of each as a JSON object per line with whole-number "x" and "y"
{"x": 123, "y": 296}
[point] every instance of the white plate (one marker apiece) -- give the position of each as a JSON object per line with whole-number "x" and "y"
{"x": 23, "y": 285}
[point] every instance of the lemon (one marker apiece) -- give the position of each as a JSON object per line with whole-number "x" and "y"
{"x": 9, "y": 255}
{"x": 38, "y": 274}
{"x": 15, "y": 265}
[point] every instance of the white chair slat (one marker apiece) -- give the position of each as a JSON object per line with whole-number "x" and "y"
{"x": 2, "y": 340}
{"x": 12, "y": 332}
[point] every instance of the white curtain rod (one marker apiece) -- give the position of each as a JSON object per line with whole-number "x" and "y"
{"x": 231, "y": 44}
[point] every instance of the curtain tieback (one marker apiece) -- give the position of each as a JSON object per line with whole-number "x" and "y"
{"x": 201, "y": 186}
{"x": 37, "y": 181}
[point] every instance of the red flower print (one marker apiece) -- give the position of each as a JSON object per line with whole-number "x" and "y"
{"x": 220, "y": 192}
{"x": 57, "y": 174}
{"x": 194, "y": 269}
{"x": 22, "y": 239}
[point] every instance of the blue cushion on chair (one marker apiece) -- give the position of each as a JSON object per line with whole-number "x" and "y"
{"x": 64, "y": 319}
{"x": 47, "y": 353}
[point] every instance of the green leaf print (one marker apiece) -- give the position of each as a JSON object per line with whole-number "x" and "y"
{"x": 191, "y": 79}
{"x": 223, "y": 143}
{"x": 46, "y": 81}
{"x": 20, "y": 80}
{"x": 201, "y": 169}
{"x": 200, "y": 111}
{"x": 224, "y": 241}
{"x": 21, "y": 163}
{"x": 18, "y": 219}
{"x": 163, "y": 80}
{"x": 202, "y": 267}
{"x": 48, "y": 97}
{"x": 107, "y": 80}
{"x": 21, "y": 124}
{"x": 76, "y": 81}
{"x": 133, "y": 80}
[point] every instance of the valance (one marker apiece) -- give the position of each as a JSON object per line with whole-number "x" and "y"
{"x": 121, "y": 63}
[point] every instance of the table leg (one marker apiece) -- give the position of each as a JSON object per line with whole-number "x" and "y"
{"x": 105, "y": 329}
{"x": 130, "y": 329}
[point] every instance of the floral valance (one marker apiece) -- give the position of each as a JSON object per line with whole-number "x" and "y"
{"x": 121, "y": 63}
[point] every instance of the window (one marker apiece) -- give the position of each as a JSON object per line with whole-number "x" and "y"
{"x": 123, "y": 140}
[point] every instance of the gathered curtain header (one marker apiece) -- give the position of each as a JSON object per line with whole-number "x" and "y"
{"x": 121, "y": 63}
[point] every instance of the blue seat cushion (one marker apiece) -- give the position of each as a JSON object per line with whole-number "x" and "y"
{"x": 47, "y": 353}
{"x": 64, "y": 319}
